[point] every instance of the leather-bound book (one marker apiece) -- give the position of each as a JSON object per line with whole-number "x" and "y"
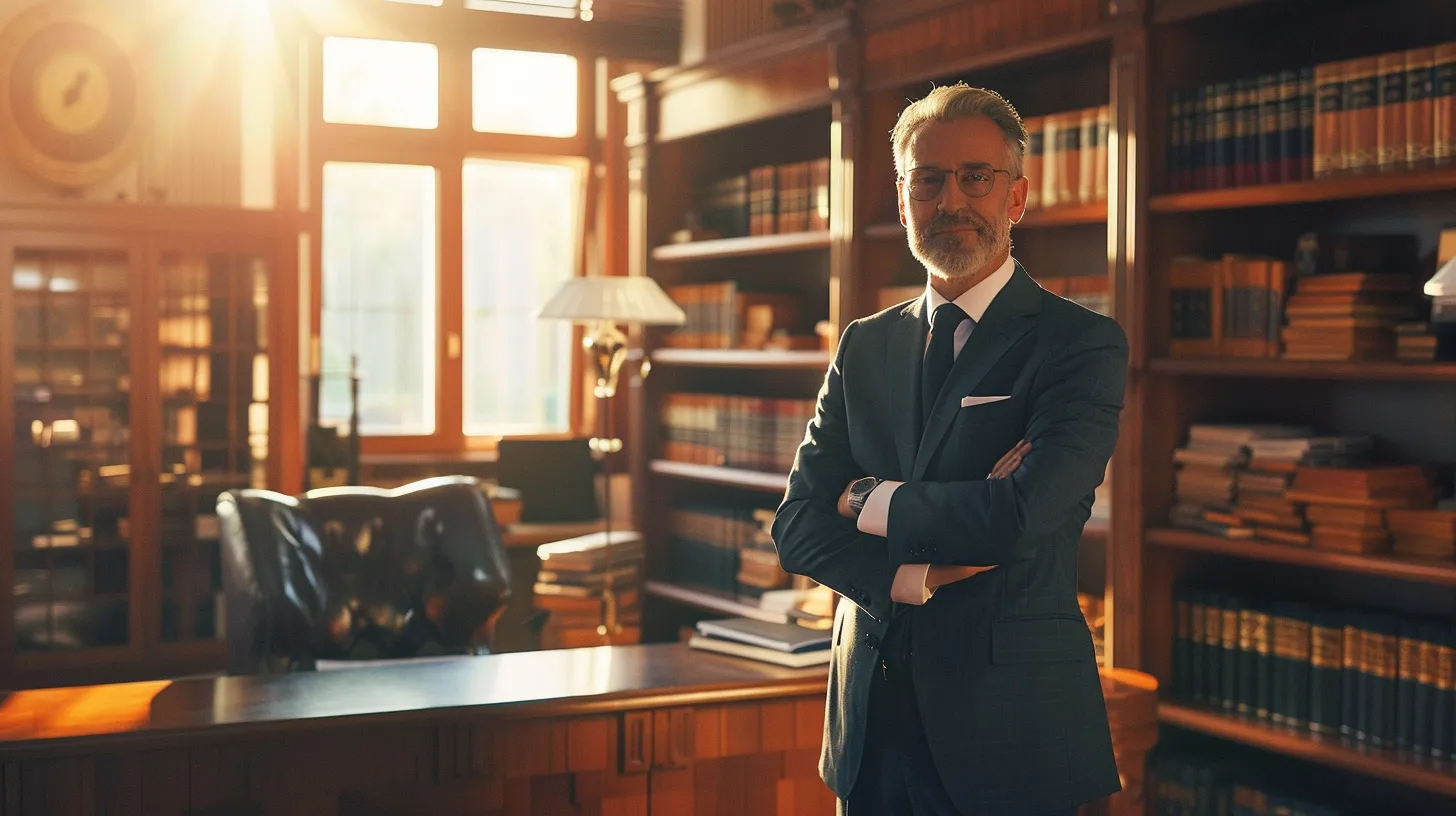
{"x": 1325, "y": 666}
{"x": 1351, "y": 668}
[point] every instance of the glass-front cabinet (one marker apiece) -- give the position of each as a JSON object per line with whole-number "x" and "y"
{"x": 139, "y": 386}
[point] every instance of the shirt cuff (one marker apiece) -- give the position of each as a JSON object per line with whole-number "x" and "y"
{"x": 909, "y": 585}
{"x": 875, "y": 517}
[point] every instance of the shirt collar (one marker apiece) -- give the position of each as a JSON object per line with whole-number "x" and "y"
{"x": 975, "y": 300}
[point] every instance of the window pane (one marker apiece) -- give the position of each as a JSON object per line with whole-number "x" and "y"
{"x": 521, "y": 224}
{"x": 379, "y": 295}
{"x": 381, "y": 82}
{"x": 545, "y": 8}
{"x": 503, "y": 103}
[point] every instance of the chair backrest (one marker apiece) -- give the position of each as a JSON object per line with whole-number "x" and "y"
{"x": 360, "y": 573}
{"x": 556, "y": 478}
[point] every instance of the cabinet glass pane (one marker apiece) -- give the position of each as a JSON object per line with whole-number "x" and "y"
{"x": 71, "y": 533}
{"x": 213, "y": 385}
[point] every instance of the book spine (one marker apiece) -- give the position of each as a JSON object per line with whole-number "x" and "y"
{"x": 1297, "y": 708}
{"x": 1361, "y": 113}
{"x": 1225, "y": 134}
{"x": 1279, "y": 709}
{"x": 1325, "y": 666}
{"x": 1443, "y": 708}
{"x": 1390, "y": 137}
{"x": 1263, "y": 665}
{"x": 1350, "y": 665}
{"x": 1268, "y": 136}
{"x": 1289, "y": 129}
{"x": 1205, "y": 149}
{"x": 1246, "y": 132}
{"x": 1229, "y": 652}
{"x": 1035, "y": 151}
{"x": 1425, "y": 702}
{"x": 1307, "y": 93}
{"x": 1419, "y": 87}
{"x": 1198, "y": 645}
{"x": 1443, "y": 104}
{"x": 1246, "y": 699}
{"x": 1384, "y": 667}
{"x": 1213, "y": 648}
{"x": 1329, "y": 157}
{"x": 1407, "y": 679}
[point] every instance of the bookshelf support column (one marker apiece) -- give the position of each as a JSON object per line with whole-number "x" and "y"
{"x": 1126, "y": 215}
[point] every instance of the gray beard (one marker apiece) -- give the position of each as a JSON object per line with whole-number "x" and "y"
{"x": 946, "y": 257}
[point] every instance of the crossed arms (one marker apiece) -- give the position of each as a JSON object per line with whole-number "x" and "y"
{"x": 1076, "y": 397}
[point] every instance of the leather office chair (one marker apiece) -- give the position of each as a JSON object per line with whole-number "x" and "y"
{"x": 352, "y": 573}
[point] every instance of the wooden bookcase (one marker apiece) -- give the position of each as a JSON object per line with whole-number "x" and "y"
{"x": 1409, "y": 408}
{"x": 146, "y": 369}
{"x": 1050, "y": 57}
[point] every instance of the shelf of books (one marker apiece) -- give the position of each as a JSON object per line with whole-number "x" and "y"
{"x": 1295, "y": 482}
{"x": 738, "y": 217}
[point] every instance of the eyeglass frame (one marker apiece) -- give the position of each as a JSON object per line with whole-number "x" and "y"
{"x": 908, "y": 183}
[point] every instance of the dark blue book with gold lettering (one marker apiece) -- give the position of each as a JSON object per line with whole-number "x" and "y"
{"x": 1325, "y": 667}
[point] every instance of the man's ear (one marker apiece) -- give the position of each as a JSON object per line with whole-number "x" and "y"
{"x": 1016, "y": 200}
{"x": 900, "y": 202}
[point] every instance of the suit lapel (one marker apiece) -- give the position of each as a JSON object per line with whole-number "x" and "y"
{"x": 1010, "y": 316}
{"x": 906, "y": 352}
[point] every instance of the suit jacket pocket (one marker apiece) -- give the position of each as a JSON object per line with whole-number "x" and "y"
{"x": 1040, "y": 640}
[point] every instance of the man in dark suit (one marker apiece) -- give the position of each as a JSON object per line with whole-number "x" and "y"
{"x": 942, "y": 488}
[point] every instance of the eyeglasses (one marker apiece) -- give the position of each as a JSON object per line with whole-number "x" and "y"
{"x": 976, "y": 181}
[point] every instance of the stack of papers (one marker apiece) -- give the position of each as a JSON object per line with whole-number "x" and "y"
{"x": 780, "y": 643}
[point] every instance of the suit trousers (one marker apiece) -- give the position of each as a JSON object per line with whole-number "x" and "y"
{"x": 897, "y": 775}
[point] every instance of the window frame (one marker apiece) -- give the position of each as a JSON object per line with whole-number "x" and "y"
{"x": 445, "y": 148}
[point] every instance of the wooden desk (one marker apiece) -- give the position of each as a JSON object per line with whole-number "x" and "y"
{"x": 631, "y": 729}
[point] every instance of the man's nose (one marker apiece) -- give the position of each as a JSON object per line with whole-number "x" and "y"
{"x": 952, "y": 198}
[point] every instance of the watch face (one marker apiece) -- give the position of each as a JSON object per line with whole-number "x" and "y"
{"x": 68, "y": 94}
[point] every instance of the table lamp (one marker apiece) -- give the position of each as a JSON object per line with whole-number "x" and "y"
{"x": 600, "y": 303}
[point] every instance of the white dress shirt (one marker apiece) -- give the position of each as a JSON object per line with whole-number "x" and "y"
{"x": 909, "y": 584}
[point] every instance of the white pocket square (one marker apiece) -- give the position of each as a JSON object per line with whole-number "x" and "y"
{"x": 967, "y": 402}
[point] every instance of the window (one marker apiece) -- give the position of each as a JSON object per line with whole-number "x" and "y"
{"x": 381, "y": 82}
{"x": 379, "y": 295}
{"x": 521, "y": 226}
{"x": 503, "y": 103}
{"x": 443, "y": 229}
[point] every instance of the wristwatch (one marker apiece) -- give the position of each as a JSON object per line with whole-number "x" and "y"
{"x": 859, "y": 492}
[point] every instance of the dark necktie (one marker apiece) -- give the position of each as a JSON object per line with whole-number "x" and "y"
{"x": 940, "y": 356}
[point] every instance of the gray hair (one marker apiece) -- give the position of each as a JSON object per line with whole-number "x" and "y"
{"x": 960, "y": 101}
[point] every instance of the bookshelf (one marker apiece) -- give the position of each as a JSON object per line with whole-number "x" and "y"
{"x": 1405, "y": 406}
{"x": 761, "y": 118}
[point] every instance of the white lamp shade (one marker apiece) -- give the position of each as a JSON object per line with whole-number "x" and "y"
{"x": 1443, "y": 285}
{"x": 619, "y": 299}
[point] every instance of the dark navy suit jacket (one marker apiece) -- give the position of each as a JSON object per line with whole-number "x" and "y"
{"x": 1004, "y": 668}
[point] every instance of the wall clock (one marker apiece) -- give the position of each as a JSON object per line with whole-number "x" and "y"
{"x": 69, "y": 93}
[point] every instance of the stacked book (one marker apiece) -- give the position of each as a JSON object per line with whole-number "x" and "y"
{"x": 758, "y": 559}
{"x": 1415, "y": 343}
{"x": 1423, "y": 533}
{"x": 782, "y": 643}
{"x": 1346, "y": 504}
{"x": 1350, "y": 316}
{"x": 1207, "y": 478}
{"x": 582, "y": 579}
